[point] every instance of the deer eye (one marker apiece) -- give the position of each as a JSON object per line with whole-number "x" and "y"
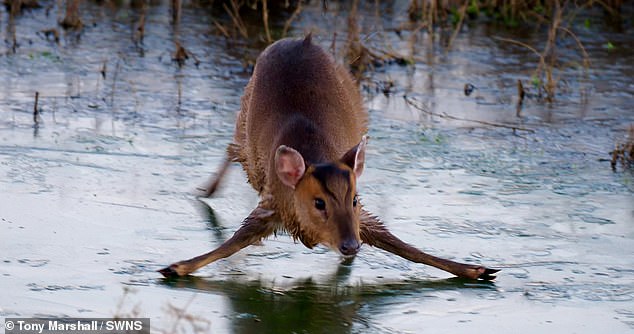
{"x": 355, "y": 200}
{"x": 320, "y": 204}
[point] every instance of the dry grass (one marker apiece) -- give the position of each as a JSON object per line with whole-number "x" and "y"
{"x": 177, "y": 8}
{"x": 545, "y": 77}
{"x": 71, "y": 19}
{"x": 509, "y": 12}
{"x": 265, "y": 19}
{"x": 36, "y": 110}
{"x": 418, "y": 105}
{"x": 139, "y": 32}
{"x": 179, "y": 319}
{"x": 357, "y": 55}
{"x": 292, "y": 18}
{"x": 436, "y": 16}
{"x": 234, "y": 13}
{"x": 624, "y": 151}
{"x": 184, "y": 322}
{"x": 365, "y": 50}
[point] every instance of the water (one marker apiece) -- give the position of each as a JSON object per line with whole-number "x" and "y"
{"x": 98, "y": 196}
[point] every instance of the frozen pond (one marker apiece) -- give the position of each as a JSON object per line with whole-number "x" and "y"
{"x": 98, "y": 196}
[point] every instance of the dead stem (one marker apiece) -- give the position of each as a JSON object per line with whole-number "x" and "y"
{"x": 550, "y": 52}
{"x": 15, "y": 7}
{"x": 432, "y": 14}
{"x": 265, "y": 18}
{"x": 22, "y": 4}
{"x": 180, "y": 55}
{"x": 114, "y": 82}
{"x": 357, "y": 55}
{"x": 222, "y": 29}
{"x": 179, "y": 87}
{"x": 624, "y": 152}
{"x": 180, "y": 314}
{"x": 290, "y": 20}
{"x": 36, "y": 111}
{"x": 72, "y": 20}
{"x": 234, "y": 13}
{"x": 14, "y": 11}
{"x": 610, "y": 7}
{"x": 520, "y": 91}
{"x": 542, "y": 59}
{"x": 586, "y": 57}
{"x": 48, "y": 33}
{"x": 103, "y": 69}
{"x": 414, "y": 38}
{"x": 413, "y": 10}
{"x": 411, "y": 101}
{"x": 139, "y": 32}
{"x": 176, "y": 11}
{"x": 520, "y": 100}
{"x": 388, "y": 52}
{"x": 463, "y": 12}
{"x": 133, "y": 313}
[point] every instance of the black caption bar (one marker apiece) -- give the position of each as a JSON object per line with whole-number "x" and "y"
{"x": 77, "y": 325}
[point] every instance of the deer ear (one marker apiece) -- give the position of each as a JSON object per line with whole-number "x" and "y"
{"x": 289, "y": 165}
{"x": 355, "y": 158}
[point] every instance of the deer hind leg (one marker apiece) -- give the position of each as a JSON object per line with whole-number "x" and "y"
{"x": 212, "y": 185}
{"x": 233, "y": 155}
{"x": 258, "y": 225}
{"x": 373, "y": 232}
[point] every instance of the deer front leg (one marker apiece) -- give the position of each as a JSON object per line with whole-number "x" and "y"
{"x": 374, "y": 233}
{"x": 259, "y": 224}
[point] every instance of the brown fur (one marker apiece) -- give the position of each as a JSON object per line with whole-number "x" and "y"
{"x": 299, "y": 137}
{"x": 300, "y": 98}
{"x": 297, "y": 97}
{"x": 335, "y": 184}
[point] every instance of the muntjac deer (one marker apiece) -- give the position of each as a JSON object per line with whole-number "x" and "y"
{"x": 300, "y": 137}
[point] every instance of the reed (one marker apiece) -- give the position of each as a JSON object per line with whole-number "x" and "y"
{"x": 624, "y": 151}
{"x": 71, "y": 19}
{"x": 509, "y": 12}
{"x": 234, "y": 13}
{"x": 265, "y": 19}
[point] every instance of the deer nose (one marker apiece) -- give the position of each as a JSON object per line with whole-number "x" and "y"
{"x": 349, "y": 247}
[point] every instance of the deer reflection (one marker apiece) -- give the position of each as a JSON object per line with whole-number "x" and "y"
{"x": 310, "y": 304}
{"x": 209, "y": 216}
{"x": 304, "y": 305}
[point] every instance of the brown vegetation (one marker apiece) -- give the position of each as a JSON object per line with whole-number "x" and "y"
{"x": 435, "y": 23}
{"x": 438, "y": 18}
{"x": 624, "y": 151}
{"x": 72, "y": 20}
